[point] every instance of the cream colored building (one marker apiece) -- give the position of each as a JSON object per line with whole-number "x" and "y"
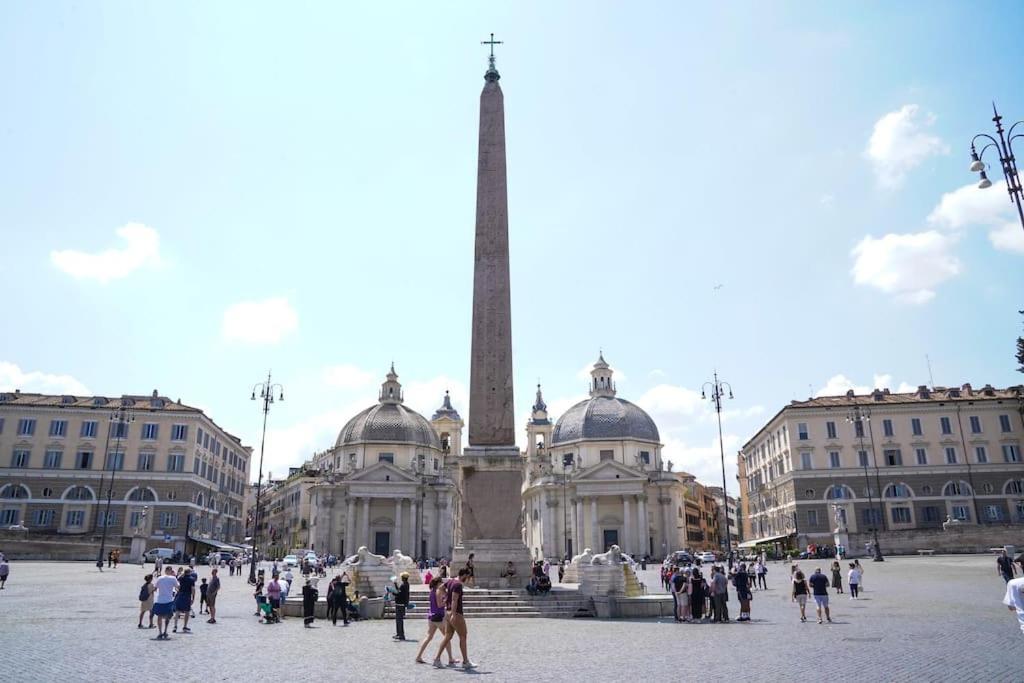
{"x": 596, "y": 478}
{"x": 388, "y": 483}
{"x": 887, "y": 461}
{"x": 174, "y": 469}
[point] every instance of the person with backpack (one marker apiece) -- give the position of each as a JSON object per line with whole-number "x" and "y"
{"x": 146, "y": 600}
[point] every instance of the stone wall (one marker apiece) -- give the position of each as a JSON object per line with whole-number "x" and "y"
{"x": 18, "y": 546}
{"x": 966, "y": 538}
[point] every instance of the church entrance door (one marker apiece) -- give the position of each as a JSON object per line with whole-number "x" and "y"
{"x": 382, "y": 543}
{"x": 611, "y": 537}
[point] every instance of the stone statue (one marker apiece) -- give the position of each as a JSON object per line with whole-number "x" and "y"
{"x": 364, "y": 558}
{"x": 613, "y": 556}
{"x": 401, "y": 562}
{"x": 583, "y": 557}
{"x": 840, "y": 518}
{"x": 950, "y": 522}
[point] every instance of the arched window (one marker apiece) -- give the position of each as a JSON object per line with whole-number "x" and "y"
{"x": 900, "y": 490}
{"x": 78, "y": 493}
{"x": 956, "y": 489}
{"x": 14, "y": 491}
{"x": 1014, "y": 487}
{"x": 142, "y": 495}
{"x": 839, "y": 492}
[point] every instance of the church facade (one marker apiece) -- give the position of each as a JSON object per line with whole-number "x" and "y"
{"x": 595, "y": 478}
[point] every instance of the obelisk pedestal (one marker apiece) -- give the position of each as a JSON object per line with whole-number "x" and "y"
{"x": 492, "y": 466}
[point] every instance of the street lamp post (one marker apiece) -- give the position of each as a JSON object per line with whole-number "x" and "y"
{"x": 1004, "y": 148}
{"x": 717, "y": 394}
{"x": 119, "y": 418}
{"x": 266, "y": 390}
{"x": 858, "y": 416}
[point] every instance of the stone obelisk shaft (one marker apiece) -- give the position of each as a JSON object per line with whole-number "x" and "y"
{"x": 491, "y": 414}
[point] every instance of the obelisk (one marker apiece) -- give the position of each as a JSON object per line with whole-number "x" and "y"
{"x": 492, "y": 466}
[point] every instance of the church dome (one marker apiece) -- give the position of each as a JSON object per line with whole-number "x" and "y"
{"x": 389, "y": 421}
{"x": 604, "y": 416}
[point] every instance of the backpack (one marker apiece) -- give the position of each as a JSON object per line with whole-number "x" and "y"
{"x": 144, "y": 593}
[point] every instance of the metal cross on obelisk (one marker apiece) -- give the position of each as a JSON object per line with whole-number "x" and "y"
{"x": 492, "y": 42}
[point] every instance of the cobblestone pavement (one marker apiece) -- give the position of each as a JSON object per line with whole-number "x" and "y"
{"x": 922, "y": 619}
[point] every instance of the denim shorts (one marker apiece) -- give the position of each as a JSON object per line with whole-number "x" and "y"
{"x": 821, "y": 600}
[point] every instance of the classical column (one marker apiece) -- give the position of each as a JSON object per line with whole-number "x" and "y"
{"x": 439, "y": 507}
{"x": 627, "y": 533}
{"x": 350, "y": 528}
{"x": 415, "y": 551}
{"x": 577, "y": 526}
{"x": 366, "y": 524}
{"x": 595, "y": 541}
{"x": 574, "y": 526}
{"x": 396, "y": 542}
{"x": 550, "y": 530}
{"x": 641, "y": 524}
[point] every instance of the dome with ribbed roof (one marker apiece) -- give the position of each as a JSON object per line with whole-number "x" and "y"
{"x": 389, "y": 421}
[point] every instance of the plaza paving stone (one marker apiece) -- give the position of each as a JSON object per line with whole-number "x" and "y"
{"x": 922, "y": 619}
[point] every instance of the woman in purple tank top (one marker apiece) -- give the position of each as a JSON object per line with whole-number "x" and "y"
{"x": 435, "y": 620}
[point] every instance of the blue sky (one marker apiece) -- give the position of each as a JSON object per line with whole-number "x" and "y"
{"x": 193, "y": 193}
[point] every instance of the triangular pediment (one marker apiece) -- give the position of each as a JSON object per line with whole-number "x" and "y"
{"x": 609, "y": 469}
{"x": 384, "y": 472}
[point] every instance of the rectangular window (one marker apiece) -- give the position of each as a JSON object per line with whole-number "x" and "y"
{"x": 1019, "y": 507}
{"x": 980, "y": 454}
{"x": 195, "y": 466}
{"x": 88, "y": 430}
{"x": 9, "y": 517}
{"x": 199, "y": 436}
{"x": 893, "y": 457}
{"x": 830, "y": 427}
{"x": 950, "y": 455}
{"x": 1011, "y": 452}
{"x": 114, "y": 461}
{"x": 812, "y": 518}
{"x": 872, "y": 517}
{"x": 802, "y": 433}
{"x": 119, "y": 430}
{"x": 993, "y": 513}
{"x": 43, "y": 517}
{"x": 206, "y": 441}
{"x": 607, "y": 455}
{"x": 1, "y": 425}
{"x": 179, "y": 432}
{"x": 386, "y": 457}
{"x": 51, "y": 460}
{"x": 887, "y": 427}
{"x": 58, "y": 428}
{"x": 645, "y": 457}
{"x": 150, "y": 430}
{"x": 915, "y": 426}
{"x": 74, "y": 519}
{"x": 805, "y": 461}
{"x": 930, "y": 513}
{"x": 146, "y": 462}
{"x": 862, "y": 458}
{"x": 1004, "y": 423}
{"x": 833, "y": 459}
{"x": 962, "y": 512}
{"x": 975, "y": 424}
{"x": 26, "y": 426}
{"x": 83, "y": 460}
{"x": 176, "y": 462}
{"x": 20, "y": 457}
{"x": 168, "y": 521}
{"x": 922, "y": 456}
{"x": 946, "y": 425}
{"x": 901, "y": 515}
{"x": 858, "y": 429}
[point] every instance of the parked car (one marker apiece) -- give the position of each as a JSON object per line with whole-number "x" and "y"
{"x": 290, "y": 561}
{"x": 680, "y": 558}
{"x": 165, "y": 554}
{"x": 311, "y": 559}
{"x": 707, "y": 557}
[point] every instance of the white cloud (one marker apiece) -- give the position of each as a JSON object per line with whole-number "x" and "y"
{"x": 259, "y": 322}
{"x": 838, "y": 385}
{"x": 12, "y": 377}
{"x": 705, "y": 461}
{"x": 969, "y": 206}
{"x": 347, "y": 377}
{"x": 900, "y": 142}
{"x": 142, "y": 249}
{"x": 670, "y": 400}
{"x": 827, "y": 200}
{"x": 657, "y": 373}
{"x": 908, "y": 266}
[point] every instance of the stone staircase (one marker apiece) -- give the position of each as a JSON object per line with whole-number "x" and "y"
{"x": 483, "y": 603}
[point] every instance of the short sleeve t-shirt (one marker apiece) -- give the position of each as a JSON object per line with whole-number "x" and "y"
{"x": 819, "y": 584}
{"x": 165, "y": 586}
{"x": 854, "y": 576}
{"x": 454, "y": 599}
{"x": 214, "y": 586}
{"x": 274, "y": 590}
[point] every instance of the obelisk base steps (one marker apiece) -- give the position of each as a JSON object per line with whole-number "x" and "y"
{"x": 490, "y": 558}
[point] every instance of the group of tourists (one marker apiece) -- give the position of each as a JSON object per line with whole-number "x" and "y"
{"x": 173, "y": 594}
{"x": 698, "y": 599}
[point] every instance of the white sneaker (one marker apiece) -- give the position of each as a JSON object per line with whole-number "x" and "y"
{"x": 467, "y": 665}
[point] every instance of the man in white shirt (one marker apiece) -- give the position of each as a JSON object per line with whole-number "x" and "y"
{"x": 163, "y": 605}
{"x": 1014, "y": 599}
